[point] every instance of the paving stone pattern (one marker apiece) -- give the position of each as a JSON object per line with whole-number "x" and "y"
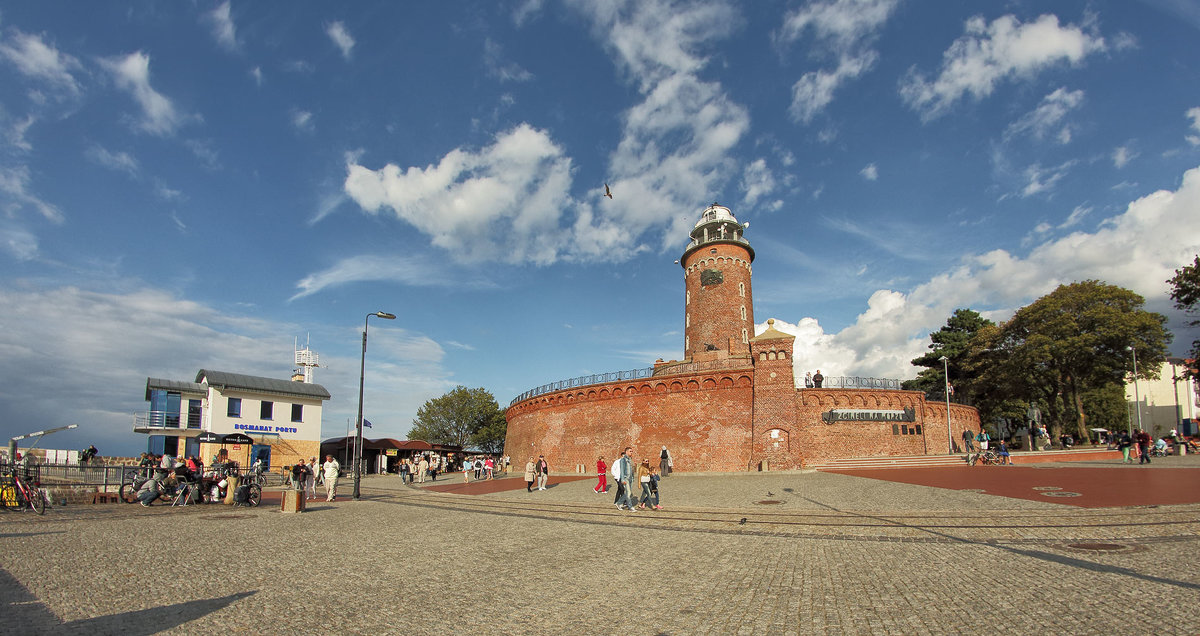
{"x": 838, "y": 555}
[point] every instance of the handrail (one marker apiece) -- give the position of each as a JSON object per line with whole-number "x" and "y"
{"x": 584, "y": 380}
{"x": 856, "y": 382}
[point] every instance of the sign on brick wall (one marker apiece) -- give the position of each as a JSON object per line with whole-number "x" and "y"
{"x": 868, "y": 415}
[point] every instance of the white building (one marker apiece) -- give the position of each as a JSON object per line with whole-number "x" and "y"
{"x": 282, "y": 418}
{"x": 1169, "y": 403}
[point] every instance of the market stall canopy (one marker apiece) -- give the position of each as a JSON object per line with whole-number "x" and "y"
{"x": 208, "y": 437}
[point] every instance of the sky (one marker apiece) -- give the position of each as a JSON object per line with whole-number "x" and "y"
{"x": 203, "y": 185}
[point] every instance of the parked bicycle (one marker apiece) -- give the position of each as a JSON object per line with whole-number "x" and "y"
{"x": 131, "y": 482}
{"x": 26, "y": 494}
{"x": 988, "y": 457}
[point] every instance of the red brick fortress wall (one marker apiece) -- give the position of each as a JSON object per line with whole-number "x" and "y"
{"x": 821, "y": 441}
{"x": 703, "y": 419}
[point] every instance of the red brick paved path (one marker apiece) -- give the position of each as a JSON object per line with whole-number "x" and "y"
{"x": 495, "y": 485}
{"x": 1097, "y": 487}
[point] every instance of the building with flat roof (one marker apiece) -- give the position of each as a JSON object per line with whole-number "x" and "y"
{"x": 1169, "y": 403}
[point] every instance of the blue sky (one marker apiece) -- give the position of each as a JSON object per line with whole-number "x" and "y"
{"x": 198, "y": 185}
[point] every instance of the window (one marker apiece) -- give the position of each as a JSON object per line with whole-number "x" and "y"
{"x": 743, "y": 312}
{"x": 745, "y": 337}
{"x": 266, "y": 411}
{"x": 783, "y": 355}
{"x": 917, "y": 429}
{"x": 235, "y": 407}
{"x": 297, "y": 412}
{"x": 742, "y": 289}
{"x": 687, "y": 298}
{"x": 687, "y": 320}
{"x": 195, "y": 413}
{"x": 895, "y": 429}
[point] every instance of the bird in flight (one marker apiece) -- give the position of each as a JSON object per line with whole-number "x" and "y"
{"x": 607, "y": 192}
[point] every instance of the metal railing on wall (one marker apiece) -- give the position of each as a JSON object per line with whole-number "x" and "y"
{"x": 585, "y": 380}
{"x": 856, "y": 382}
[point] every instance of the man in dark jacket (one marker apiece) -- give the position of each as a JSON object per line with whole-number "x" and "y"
{"x": 1143, "y": 442}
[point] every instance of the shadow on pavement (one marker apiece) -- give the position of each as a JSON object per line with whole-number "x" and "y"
{"x": 1036, "y": 554}
{"x": 23, "y": 609}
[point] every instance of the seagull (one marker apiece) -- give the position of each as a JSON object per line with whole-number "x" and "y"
{"x": 742, "y": 521}
{"x": 770, "y": 494}
{"x": 607, "y": 192}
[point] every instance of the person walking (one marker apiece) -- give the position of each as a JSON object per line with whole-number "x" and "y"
{"x": 643, "y": 476}
{"x": 968, "y": 438}
{"x": 310, "y": 484}
{"x": 468, "y": 466}
{"x": 1143, "y": 444}
{"x": 1124, "y": 442}
{"x": 664, "y": 462}
{"x": 601, "y": 476}
{"x": 422, "y": 469}
{"x": 623, "y": 472}
{"x": 529, "y": 468}
{"x": 543, "y": 472}
{"x": 331, "y": 468}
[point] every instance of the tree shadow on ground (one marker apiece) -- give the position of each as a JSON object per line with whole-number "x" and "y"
{"x": 23, "y": 610}
{"x": 1036, "y": 554}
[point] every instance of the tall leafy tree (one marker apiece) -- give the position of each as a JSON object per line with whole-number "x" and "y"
{"x": 952, "y": 341}
{"x": 1185, "y": 291}
{"x": 456, "y": 417}
{"x": 1076, "y": 339}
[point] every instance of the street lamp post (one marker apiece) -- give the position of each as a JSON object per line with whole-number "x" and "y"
{"x": 946, "y": 375}
{"x": 1137, "y": 400}
{"x": 362, "y": 369}
{"x": 1175, "y": 381}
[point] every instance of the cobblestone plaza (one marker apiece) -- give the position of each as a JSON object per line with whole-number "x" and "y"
{"x": 773, "y": 553}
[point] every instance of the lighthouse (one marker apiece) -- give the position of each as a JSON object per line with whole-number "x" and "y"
{"x": 718, "y": 301}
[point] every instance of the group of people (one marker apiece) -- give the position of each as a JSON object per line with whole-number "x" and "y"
{"x": 970, "y": 439}
{"x": 626, "y": 472}
{"x": 536, "y": 472}
{"x": 417, "y": 469}
{"x": 306, "y": 477}
{"x": 813, "y": 381}
{"x": 483, "y": 467}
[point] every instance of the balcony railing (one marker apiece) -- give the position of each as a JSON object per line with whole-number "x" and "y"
{"x": 162, "y": 419}
{"x": 584, "y": 380}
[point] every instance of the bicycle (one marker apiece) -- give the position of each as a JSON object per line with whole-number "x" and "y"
{"x": 26, "y": 495}
{"x": 131, "y": 482}
{"x": 988, "y": 457}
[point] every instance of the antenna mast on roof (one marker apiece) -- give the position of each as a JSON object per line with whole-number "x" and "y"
{"x": 306, "y": 360}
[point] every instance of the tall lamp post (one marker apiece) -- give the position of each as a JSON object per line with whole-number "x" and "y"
{"x": 946, "y": 375}
{"x": 1175, "y": 362}
{"x": 362, "y": 369}
{"x": 1137, "y": 400}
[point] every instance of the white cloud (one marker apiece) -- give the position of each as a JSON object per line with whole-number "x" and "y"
{"x": 757, "y": 182}
{"x": 1122, "y": 155}
{"x": 1041, "y": 180}
{"x": 119, "y": 161}
{"x": 14, "y": 134}
{"x": 510, "y": 201}
{"x": 844, "y": 29}
{"x": 1194, "y": 115}
{"x": 498, "y": 67}
{"x": 1047, "y": 118}
{"x": 1138, "y": 249}
{"x": 132, "y": 74}
{"x": 406, "y": 270}
{"x": 17, "y": 241}
{"x": 341, "y": 38}
{"x": 989, "y": 54}
{"x": 111, "y": 342}
{"x": 14, "y": 182}
{"x": 1075, "y": 217}
{"x": 503, "y": 202}
{"x": 257, "y": 74}
{"x": 223, "y": 29}
{"x": 302, "y": 120}
{"x": 870, "y": 172}
{"x": 33, "y": 57}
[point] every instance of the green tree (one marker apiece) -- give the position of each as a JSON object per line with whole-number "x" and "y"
{"x": 952, "y": 341}
{"x": 1073, "y": 340}
{"x": 456, "y": 417}
{"x": 490, "y": 438}
{"x": 1185, "y": 291}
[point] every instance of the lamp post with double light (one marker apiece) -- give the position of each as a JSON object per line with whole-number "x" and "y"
{"x": 1137, "y": 400}
{"x": 362, "y": 370}
{"x": 946, "y": 373}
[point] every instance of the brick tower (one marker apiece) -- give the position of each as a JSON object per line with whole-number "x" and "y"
{"x": 718, "y": 304}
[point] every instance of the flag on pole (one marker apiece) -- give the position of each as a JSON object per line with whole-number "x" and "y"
{"x": 366, "y": 422}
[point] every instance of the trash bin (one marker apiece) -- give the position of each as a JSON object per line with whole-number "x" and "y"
{"x": 293, "y": 501}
